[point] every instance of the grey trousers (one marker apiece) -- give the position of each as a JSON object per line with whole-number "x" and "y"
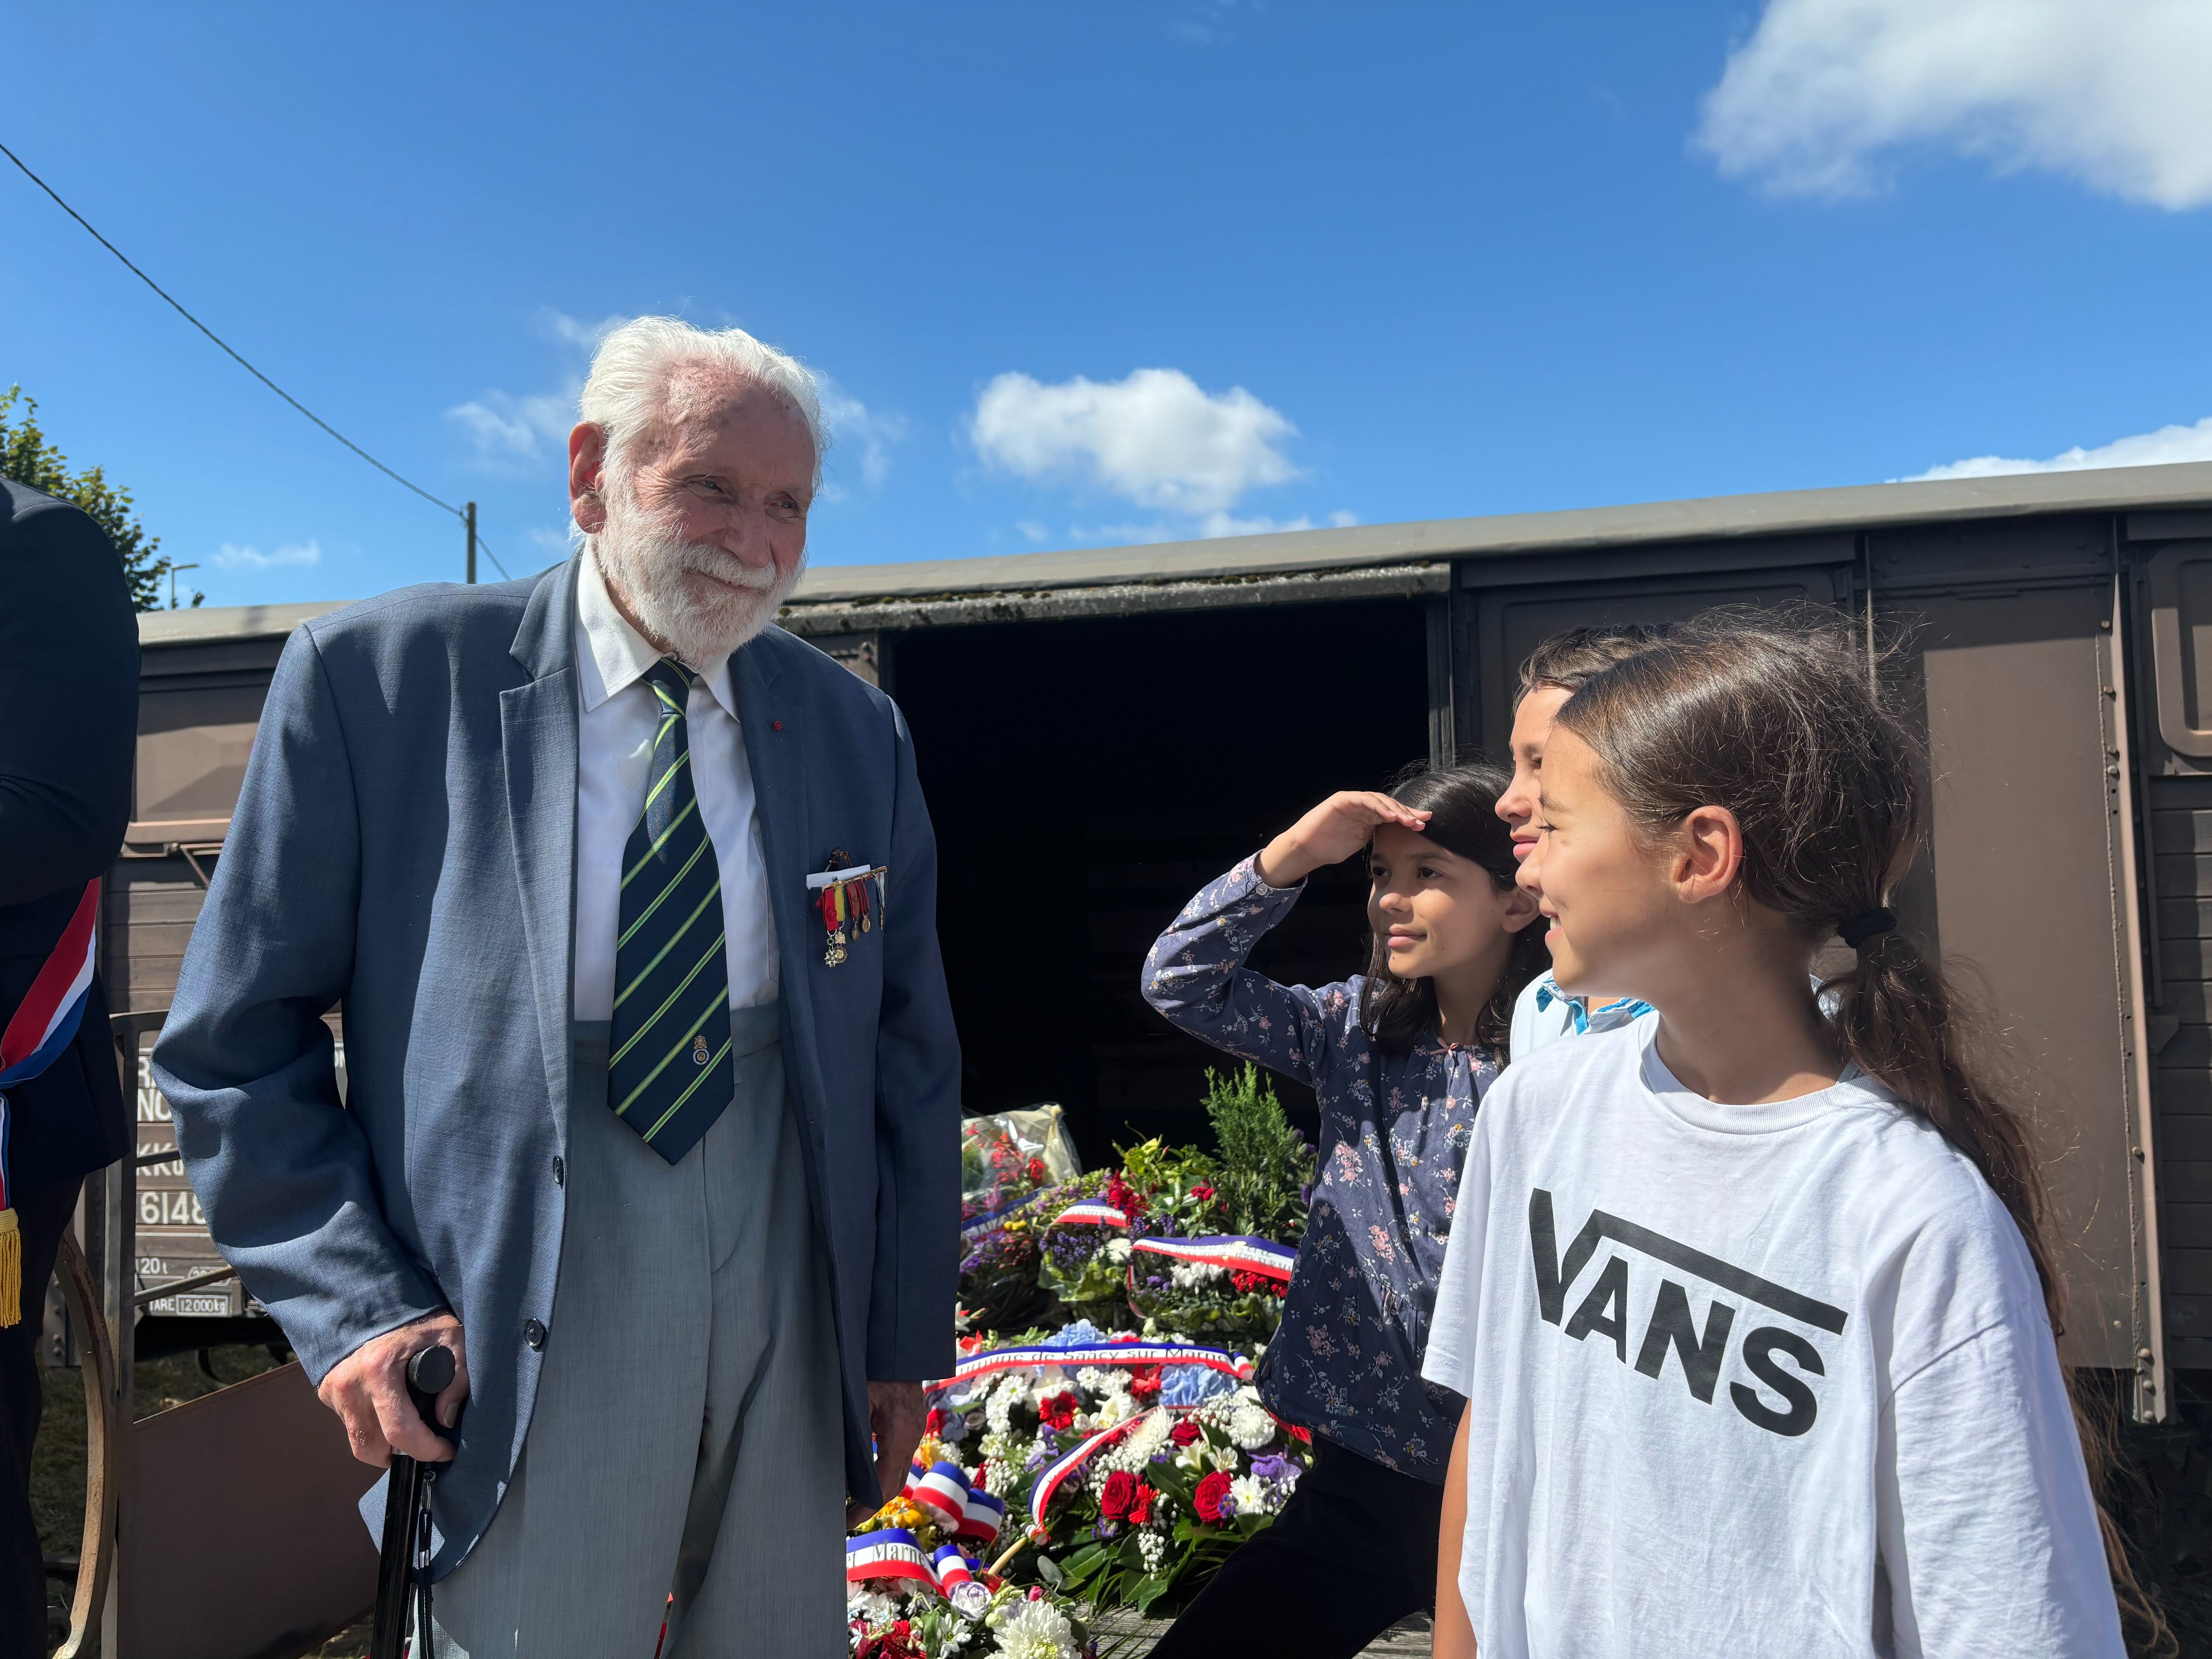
{"x": 687, "y": 1437}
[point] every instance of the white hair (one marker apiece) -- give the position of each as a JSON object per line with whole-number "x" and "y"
{"x": 652, "y": 370}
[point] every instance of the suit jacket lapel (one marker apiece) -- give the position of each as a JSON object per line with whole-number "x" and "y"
{"x": 777, "y": 759}
{"x": 537, "y": 741}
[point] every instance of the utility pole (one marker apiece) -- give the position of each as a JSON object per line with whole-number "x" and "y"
{"x": 174, "y": 569}
{"x": 471, "y": 516}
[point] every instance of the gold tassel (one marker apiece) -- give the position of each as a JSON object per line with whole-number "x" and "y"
{"x": 11, "y": 1270}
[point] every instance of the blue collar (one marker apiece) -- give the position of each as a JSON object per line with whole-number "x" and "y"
{"x": 1603, "y": 1017}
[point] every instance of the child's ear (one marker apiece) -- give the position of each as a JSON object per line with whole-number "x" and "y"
{"x": 1520, "y": 909}
{"x": 1708, "y": 852}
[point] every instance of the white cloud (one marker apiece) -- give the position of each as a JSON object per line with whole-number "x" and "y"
{"x": 512, "y": 431}
{"x": 2118, "y": 95}
{"x": 584, "y": 336}
{"x": 852, "y": 422}
{"x": 1154, "y": 439}
{"x": 559, "y": 543}
{"x": 231, "y": 557}
{"x": 2167, "y": 445}
{"x": 1034, "y": 529}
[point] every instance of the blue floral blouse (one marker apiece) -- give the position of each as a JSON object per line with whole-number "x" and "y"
{"x": 1394, "y": 1134}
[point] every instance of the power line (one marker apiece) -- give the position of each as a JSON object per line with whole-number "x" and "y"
{"x": 239, "y": 361}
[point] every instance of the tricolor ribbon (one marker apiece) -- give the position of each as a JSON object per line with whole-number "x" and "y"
{"x": 1057, "y": 1471}
{"x": 890, "y": 1553}
{"x": 985, "y": 1516}
{"x": 1096, "y": 1211}
{"x": 1230, "y": 1252}
{"x": 1104, "y": 1355}
{"x": 951, "y": 1568}
{"x": 43, "y": 1024}
{"x": 943, "y": 1489}
{"x": 977, "y": 1226}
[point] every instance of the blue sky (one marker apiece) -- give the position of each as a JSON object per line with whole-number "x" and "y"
{"x": 1382, "y": 261}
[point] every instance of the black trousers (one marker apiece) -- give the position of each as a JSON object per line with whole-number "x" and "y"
{"x": 42, "y": 1211}
{"x": 1353, "y": 1551}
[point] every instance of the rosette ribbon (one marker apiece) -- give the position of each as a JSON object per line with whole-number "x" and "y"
{"x": 1232, "y": 1254}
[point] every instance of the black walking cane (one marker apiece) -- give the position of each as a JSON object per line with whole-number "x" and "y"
{"x": 403, "y": 1575}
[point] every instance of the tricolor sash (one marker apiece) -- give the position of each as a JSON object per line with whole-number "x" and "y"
{"x": 1103, "y": 1355}
{"x": 1057, "y": 1471}
{"x": 1230, "y": 1253}
{"x": 1096, "y": 1211}
{"x": 890, "y": 1553}
{"x": 43, "y": 1024}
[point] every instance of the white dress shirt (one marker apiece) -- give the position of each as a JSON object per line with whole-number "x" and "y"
{"x": 614, "y": 750}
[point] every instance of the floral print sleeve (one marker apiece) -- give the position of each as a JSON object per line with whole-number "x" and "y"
{"x": 1394, "y": 1129}
{"x": 1195, "y": 976}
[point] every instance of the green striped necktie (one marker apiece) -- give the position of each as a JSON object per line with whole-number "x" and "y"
{"x": 668, "y": 1053}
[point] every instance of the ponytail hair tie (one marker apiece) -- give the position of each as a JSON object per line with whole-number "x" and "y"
{"x": 1865, "y": 925}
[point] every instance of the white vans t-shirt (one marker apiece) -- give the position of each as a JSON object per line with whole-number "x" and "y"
{"x": 1758, "y": 1380}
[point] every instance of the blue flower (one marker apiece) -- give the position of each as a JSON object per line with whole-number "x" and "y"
{"x": 1193, "y": 1385}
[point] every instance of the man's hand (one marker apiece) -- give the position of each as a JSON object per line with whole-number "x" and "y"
{"x": 895, "y": 1416}
{"x": 368, "y": 1391}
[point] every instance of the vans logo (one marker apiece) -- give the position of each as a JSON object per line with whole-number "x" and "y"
{"x": 1603, "y": 1311}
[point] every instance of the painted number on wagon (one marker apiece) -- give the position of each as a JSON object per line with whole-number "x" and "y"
{"x": 179, "y": 1209}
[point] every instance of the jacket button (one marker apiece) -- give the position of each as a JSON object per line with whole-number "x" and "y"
{"x": 533, "y": 1334}
{"x": 559, "y": 1173}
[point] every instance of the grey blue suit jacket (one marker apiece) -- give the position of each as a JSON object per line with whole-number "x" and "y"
{"x": 404, "y": 845}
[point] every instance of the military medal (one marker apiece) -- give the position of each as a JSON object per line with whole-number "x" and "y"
{"x": 850, "y": 897}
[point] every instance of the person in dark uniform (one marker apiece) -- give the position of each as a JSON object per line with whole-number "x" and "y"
{"x": 68, "y": 718}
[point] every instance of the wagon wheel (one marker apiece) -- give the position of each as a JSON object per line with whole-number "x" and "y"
{"x": 103, "y": 1445}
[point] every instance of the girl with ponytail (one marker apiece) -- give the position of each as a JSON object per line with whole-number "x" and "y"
{"x": 1754, "y": 1303}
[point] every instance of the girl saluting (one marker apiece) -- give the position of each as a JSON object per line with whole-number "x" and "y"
{"x": 1398, "y": 1058}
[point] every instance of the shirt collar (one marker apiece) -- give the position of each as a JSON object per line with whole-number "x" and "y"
{"x": 615, "y": 656}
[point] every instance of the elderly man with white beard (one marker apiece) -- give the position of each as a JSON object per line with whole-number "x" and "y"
{"x": 628, "y": 898}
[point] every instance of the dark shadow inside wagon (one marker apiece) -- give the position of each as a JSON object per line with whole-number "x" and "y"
{"x": 1086, "y": 777}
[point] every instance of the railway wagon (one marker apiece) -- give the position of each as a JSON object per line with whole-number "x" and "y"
{"x": 1101, "y": 732}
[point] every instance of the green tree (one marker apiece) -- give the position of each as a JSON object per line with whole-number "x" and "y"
{"x": 27, "y": 457}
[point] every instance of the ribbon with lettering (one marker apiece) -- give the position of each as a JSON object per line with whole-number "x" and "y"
{"x": 1095, "y": 1211}
{"x": 1103, "y": 1355}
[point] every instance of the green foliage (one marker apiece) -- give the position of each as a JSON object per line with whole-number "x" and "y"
{"x": 27, "y": 457}
{"x": 1261, "y": 1163}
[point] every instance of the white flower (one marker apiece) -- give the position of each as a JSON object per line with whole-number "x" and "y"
{"x": 1103, "y": 1381}
{"x": 1196, "y": 1275}
{"x": 1252, "y": 1497}
{"x": 1118, "y": 1250}
{"x": 1036, "y": 1630}
{"x": 1113, "y": 1408}
{"x": 1251, "y": 1426}
{"x": 1138, "y": 1446}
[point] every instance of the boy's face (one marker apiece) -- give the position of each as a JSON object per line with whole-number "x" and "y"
{"x": 1612, "y": 913}
{"x": 1532, "y": 727}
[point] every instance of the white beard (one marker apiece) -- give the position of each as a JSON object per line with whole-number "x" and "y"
{"x": 644, "y": 565}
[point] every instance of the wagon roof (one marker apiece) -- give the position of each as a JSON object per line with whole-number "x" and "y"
{"x": 1782, "y": 513}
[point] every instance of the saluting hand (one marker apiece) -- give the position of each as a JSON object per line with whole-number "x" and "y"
{"x": 1332, "y": 833}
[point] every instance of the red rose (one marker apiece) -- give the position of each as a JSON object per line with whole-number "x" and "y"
{"x": 1141, "y": 1507}
{"x": 1057, "y": 1413}
{"x": 1201, "y": 1191}
{"x": 933, "y": 1424}
{"x": 1207, "y": 1499}
{"x": 1119, "y": 1493}
{"x": 1303, "y": 1436}
{"x": 1183, "y": 1432}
